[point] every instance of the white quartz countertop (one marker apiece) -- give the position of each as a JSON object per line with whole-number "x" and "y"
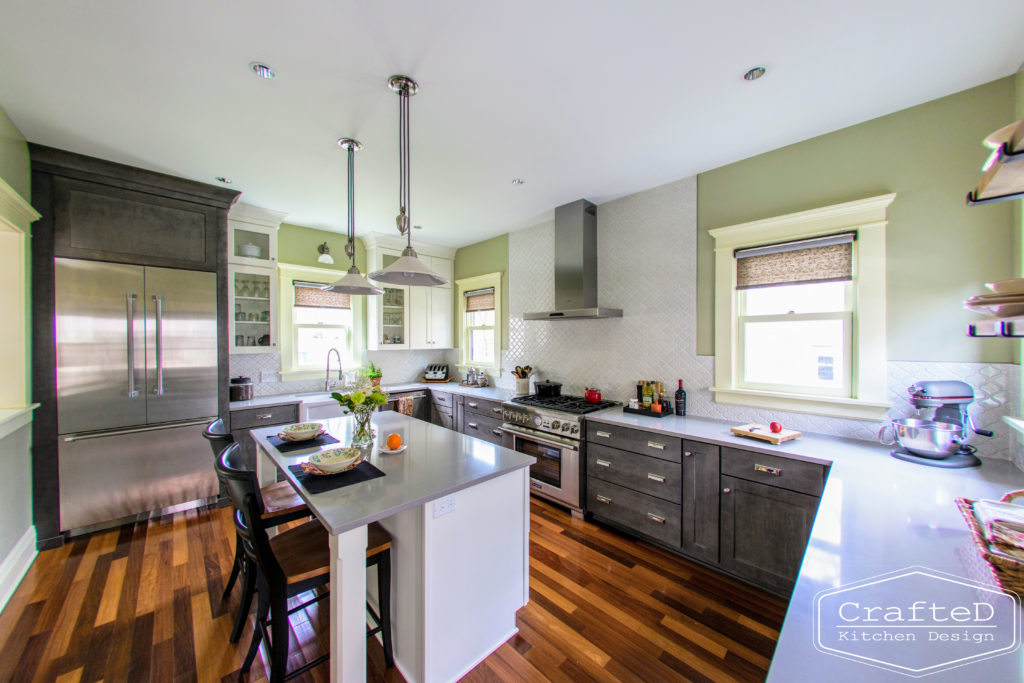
{"x": 492, "y": 393}
{"x": 436, "y": 462}
{"x": 877, "y": 515}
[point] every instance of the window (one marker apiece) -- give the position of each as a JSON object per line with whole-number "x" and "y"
{"x": 795, "y": 316}
{"x": 314, "y": 321}
{"x": 480, "y": 320}
{"x": 800, "y": 311}
{"x": 320, "y": 321}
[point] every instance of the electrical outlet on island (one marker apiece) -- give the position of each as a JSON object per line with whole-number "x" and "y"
{"x": 442, "y": 506}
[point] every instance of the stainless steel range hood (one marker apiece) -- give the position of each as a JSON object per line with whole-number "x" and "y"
{"x": 575, "y": 266}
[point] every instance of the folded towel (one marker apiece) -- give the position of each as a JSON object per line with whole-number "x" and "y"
{"x": 1002, "y": 522}
{"x": 405, "y": 405}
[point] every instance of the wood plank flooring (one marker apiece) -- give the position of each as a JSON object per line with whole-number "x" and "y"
{"x": 142, "y": 603}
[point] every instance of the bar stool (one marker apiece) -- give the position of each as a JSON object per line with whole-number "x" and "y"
{"x": 291, "y": 563}
{"x": 280, "y": 504}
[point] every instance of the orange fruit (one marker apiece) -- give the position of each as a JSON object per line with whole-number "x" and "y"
{"x": 394, "y": 442}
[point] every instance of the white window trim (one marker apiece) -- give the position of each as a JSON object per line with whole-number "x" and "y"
{"x": 16, "y": 218}
{"x": 868, "y": 218}
{"x": 288, "y": 272}
{"x": 468, "y": 285}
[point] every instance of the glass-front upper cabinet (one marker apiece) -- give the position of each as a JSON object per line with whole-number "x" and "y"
{"x": 393, "y": 309}
{"x": 252, "y": 235}
{"x": 252, "y": 299}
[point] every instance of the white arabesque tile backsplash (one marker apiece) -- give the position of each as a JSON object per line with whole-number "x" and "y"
{"x": 647, "y": 267}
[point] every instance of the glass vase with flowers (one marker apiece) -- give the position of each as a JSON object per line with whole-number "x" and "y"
{"x": 362, "y": 402}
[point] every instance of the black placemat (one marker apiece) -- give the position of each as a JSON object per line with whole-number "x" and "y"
{"x": 289, "y": 446}
{"x": 319, "y": 483}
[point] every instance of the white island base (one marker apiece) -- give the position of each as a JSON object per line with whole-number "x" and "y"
{"x": 459, "y": 565}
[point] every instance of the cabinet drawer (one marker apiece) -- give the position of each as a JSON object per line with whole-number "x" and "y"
{"x": 639, "y": 512}
{"x": 786, "y": 473}
{"x": 482, "y": 406}
{"x": 442, "y": 399}
{"x": 249, "y": 418}
{"x": 482, "y": 427}
{"x": 635, "y": 440}
{"x": 659, "y": 478}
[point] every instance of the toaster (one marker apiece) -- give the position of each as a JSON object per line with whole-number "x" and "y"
{"x": 436, "y": 372}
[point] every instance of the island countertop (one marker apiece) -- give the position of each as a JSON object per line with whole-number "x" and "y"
{"x": 877, "y": 515}
{"x": 436, "y": 462}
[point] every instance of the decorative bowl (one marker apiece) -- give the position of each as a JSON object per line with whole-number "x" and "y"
{"x": 251, "y": 250}
{"x": 304, "y": 431}
{"x": 335, "y": 460}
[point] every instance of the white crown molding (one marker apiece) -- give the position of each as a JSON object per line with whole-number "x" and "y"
{"x": 793, "y": 225}
{"x": 16, "y": 214}
{"x": 374, "y": 240}
{"x": 256, "y": 215}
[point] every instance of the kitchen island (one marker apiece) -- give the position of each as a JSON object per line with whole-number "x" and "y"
{"x": 458, "y": 510}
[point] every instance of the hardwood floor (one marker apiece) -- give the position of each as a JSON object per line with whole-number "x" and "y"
{"x": 143, "y": 603}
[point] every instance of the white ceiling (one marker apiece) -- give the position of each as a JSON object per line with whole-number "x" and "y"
{"x": 584, "y": 98}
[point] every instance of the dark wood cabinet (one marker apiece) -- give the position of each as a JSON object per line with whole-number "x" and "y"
{"x": 764, "y": 531}
{"x": 254, "y": 418}
{"x": 444, "y": 409}
{"x": 700, "y": 533}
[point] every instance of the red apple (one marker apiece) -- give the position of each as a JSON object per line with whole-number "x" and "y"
{"x": 776, "y": 427}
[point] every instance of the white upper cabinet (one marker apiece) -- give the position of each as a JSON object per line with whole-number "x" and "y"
{"x": 252, "y": 279}
{"x": 252, "y": 236}
{"x": 409, "y": 317}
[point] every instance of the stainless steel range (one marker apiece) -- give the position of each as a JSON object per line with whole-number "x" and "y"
{"x": 549, "y": 429}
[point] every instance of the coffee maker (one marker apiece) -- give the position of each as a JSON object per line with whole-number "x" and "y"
{"x": 939, "y": 440}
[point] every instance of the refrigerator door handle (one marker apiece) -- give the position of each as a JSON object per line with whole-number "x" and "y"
{"x": 158, "y": 302}
{"x": 130, "y": 323}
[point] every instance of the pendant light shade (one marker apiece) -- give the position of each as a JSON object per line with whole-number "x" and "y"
{"x": 353, "y": 282}
{"x": 409, "y": 269}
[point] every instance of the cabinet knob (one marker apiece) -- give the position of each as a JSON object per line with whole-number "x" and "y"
{"x": 604, "y": 499}
{"x": 726, "y": 490}
{"x": 472, "y": 405}
{"x": 471, "y": 425}
{"x": 687, "y": 454}
{"x": 497, "y": 432}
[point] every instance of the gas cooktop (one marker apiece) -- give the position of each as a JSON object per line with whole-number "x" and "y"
{"x": 575, "y": 405}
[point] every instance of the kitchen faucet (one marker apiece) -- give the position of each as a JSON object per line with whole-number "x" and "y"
{"x": 327, "y": 378}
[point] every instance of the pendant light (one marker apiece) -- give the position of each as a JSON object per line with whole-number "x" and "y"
{"x": 353, "y": 282}
{"x": 408, "y": 270}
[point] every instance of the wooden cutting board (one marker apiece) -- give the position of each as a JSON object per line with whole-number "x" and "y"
{"x": 762, "y": 432}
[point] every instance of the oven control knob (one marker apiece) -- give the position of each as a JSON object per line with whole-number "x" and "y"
{"x": 555, "y": 424}
{"x": 565, "y": 427}
{"x": 575, "y": 428}
{"x": 537, "y": 421}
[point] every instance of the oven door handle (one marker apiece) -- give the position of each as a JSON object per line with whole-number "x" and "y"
{"x": 539, "y": 439}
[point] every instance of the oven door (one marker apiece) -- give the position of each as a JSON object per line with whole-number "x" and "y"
{"x": 556, "y": 474}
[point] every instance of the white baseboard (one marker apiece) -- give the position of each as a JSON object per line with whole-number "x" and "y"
{"x": 16, "y": 564}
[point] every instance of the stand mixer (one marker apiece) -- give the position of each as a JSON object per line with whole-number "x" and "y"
{"x": 942, "y": 440}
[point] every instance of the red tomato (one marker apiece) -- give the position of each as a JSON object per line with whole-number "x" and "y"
{"x": 776, "y": 427}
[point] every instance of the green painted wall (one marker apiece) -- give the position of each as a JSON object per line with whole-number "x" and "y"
{"x": 14, "y": 164}
{"x": 296, "y": 244}
{"x": 16, "y": 171}
{"x": 939, "y": 251}
{"x": 489, "y": 256}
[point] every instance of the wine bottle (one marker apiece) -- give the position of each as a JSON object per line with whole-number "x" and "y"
{"x": 680, "y": 400}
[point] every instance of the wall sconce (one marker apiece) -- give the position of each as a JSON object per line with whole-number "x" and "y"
{"x": 325, "y": 254}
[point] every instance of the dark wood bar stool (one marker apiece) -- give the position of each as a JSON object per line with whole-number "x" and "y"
{"x": 280, "y": 504}
{"x": 291, "y": 563}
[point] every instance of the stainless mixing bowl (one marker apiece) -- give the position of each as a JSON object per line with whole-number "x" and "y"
{"x": 923, "y": 437}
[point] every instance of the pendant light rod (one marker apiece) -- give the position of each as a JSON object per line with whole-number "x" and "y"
{"x": 353, "y": 281}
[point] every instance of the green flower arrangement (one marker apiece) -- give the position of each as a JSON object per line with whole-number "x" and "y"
{"x": 362, "y": 402}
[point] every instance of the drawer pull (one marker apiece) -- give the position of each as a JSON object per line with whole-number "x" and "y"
{"x": 656, "y": 445}
{"x": 656, "y": 477}
{"x": 687, "y": 454}
{"x": 471, "y": 425}
{"x": 602, "y": 463}
{"x": 774, "y": 471}
{"x": 655, "y": 518}
{"x": 440, "y": 399}
{"x": 604, "y": 435}
{"x": 604, "y": 499}
{"x": 472, "y": 405}
{"x": 726, "y": 490}
{"x": 267, "y": 416}
{"x": 496, "y": 410}
{"x": 497, "y": 432}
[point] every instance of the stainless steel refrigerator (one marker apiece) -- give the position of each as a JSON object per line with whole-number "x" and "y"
{"x": 136, "y": 380}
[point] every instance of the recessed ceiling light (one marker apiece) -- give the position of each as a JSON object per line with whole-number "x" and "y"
{"x": 518, "y": 181}
{"x": 754, "y": 73}
{"x": 262, "y": 70}
{"x": 222, "y": 179}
